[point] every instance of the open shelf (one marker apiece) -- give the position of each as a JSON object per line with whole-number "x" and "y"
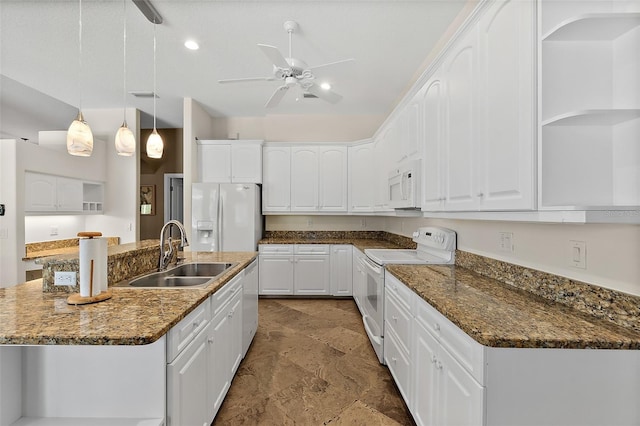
{"x": 593, "y": 117}
{"x": 593, "y": 27}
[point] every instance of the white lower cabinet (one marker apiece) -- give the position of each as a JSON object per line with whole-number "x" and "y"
{"x": 219, "y": 356}
{"x": 299, "y": 270}
{"x": 359, "y": 278}
{"x": 187, "y": 385}
{"x": 249, "y": 305}
{"x": 341, "y": 264}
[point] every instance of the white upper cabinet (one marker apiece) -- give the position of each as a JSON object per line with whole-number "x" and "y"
{"x": 230, "y": 161}
{"x": 382, "y": 164}
{"x": 506, "y": 106}
{"x": 333, "y": 172}
{"x": 362, "y": 177}
{"x": 460, "y": 72}
{"x": 304, "y": 178}
{"x": 432, "y": 117}
{"x": 276, "y": 187}
{"x": 57, "y": 194}
{"x": 589, "y": 149}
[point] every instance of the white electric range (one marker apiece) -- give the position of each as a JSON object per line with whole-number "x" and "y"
{"x": 436, "y": 246}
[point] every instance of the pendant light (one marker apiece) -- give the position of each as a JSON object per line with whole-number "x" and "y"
{"x": 125, "y": 141}
{"x": 79, "y": 136}
{"x": 155, "y": 146}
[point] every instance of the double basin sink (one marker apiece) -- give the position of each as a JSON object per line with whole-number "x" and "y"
{"x": 198, "y": 274}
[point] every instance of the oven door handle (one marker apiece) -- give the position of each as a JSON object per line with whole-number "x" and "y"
{"x": 375, "y": 268}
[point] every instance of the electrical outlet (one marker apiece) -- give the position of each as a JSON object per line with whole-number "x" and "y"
{"x": 506, "y": 241}
{"x": 64, "y": 278}
{"x": 578, "y": 256}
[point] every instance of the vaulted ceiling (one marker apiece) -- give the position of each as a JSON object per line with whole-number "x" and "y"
{"x": 39, "y": 53}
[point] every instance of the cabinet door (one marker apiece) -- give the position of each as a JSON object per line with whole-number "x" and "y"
{"x": 246, "y": 163}
{"x": 506, "y": 109}
{"x": 460, "y": 397}
{"x": 362, "y": 178}
{"x": 40, "y": 192}
{"x": 412, "y": 129}
{"x": 460, "y": 75}
{"x": 187, "y": 384}
{"x": 359, "y": 279}
{"x": 276, "y": 275}
{"x": 69, "y": 194}
{"x": 215, "y": 163}
{"x": 312, "y": 275}
{"x": 333, "y": 162}
{"x": 276, "y": 185}
{"x": 249, "y": 305}
{"x": 219, "y": 363}
{"x": 341, "y": 275}
{"x": 304, "y": 178}
{"x": 432, "y": 142}
{"x": 235, "y": 338}
{"x": 425, "y": 383}
{"x": 382, "y": 166}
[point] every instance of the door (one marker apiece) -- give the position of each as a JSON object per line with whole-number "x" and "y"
{"x": 341, "y": 275}
{"x": 362, "y": 178}
{"x": 276, "y": 185}
{"x": 173, "y": 198}
{"x": 276, "y": 275}
{"x": 69, "y": 194}
{"x": 304, "y": 178}
{"x": 333, "y": 178}
{"x": 215, "y": 163}
{"x": 425, "y": 381}
{"x": 246, "y": 163}
{"x": 432, "y": 142}
{"x": 312, "y": 275}
{"x": 239, "y": 213}
{"x": 204, "y": 217}
{"x": 219, "y": 360}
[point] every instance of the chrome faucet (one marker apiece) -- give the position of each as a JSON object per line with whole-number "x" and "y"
{"x": 166, "y": 256}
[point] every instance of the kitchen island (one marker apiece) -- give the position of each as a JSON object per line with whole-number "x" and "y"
{"x": 107, "y": 360}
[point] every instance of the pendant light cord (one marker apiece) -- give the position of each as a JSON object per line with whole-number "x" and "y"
{"x": 80, "y": 52}
{"x": 155, "y": 95}
{"x": 124, "y": 60}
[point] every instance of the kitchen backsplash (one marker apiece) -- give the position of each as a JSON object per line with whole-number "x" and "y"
{"x": 341, "y": 235}
{"x": 620, "y": 308}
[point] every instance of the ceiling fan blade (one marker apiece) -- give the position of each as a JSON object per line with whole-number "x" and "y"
{"x": 240, "y": 80}
{"x": 277, "y": 96}
{"x": 274, "y": 55}
{"x": 331, "y": 64}
{"x": 327, "y": 95}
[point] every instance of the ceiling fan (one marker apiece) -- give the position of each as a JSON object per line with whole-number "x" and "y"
{"x": 291, "y": 72}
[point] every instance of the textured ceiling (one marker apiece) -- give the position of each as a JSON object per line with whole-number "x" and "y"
{"x": 389, "y": 40}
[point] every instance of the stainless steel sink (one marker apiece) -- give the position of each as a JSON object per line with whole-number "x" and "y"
{"x": 192, "y": 275}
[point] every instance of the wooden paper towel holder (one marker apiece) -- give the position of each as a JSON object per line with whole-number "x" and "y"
{"x": 76, "y": 299}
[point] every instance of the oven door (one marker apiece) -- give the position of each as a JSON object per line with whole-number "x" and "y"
{"x": 373, "y": 305}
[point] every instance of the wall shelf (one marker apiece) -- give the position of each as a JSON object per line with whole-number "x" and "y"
{"x": 593, "y": 117}
{"x": 594, "y": 27}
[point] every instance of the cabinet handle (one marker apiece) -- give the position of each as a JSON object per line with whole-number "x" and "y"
{"x": 439, "y": 365}
{"x": 395, "y": 318}
{"x": 210, "y": 340}
{"x": 394, "y": 359}
{"x": 436, "y": 327}
{"x": 196, "y": 324}
{"x": 433, "y": 359}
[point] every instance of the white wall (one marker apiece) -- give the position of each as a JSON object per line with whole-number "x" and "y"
{"x": 298, "y": 128}
{"x": 197, "y": 124}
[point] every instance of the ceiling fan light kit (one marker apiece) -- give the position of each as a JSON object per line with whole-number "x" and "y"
{"x": 292, "y": 72}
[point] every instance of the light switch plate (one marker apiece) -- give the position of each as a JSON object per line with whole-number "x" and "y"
{"x": 506, "y": 241}
{"x": 578, "y": 254}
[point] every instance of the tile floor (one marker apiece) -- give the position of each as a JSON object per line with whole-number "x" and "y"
{"x": 311, "y": 364}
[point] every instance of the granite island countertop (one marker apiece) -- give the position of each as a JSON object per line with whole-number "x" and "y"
{"x": 498, "y": 315}
{"x": 139, "y": 316}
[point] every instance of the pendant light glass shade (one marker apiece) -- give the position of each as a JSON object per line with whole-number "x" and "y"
{"x": 155, "y": 146}
{"x": 79, "y": 137}
{"x": 125, "y": 141}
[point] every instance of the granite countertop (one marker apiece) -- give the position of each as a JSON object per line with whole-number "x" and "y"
{"x": 498, "y": 315}
{"x": 131, "y": 317}
{"x": 37, "y": 251}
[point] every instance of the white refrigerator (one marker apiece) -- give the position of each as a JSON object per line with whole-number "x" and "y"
{"x": 225, "y": 217}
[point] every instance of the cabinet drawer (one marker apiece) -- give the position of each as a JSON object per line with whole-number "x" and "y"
{"x": 275, "y": 248}
{"x": 399, "y": 319}
{"x": 405, "y": 297}
{"x": 312, "y": 249}
{"x": 183, "y": 333}
{"x": 465, "y": 350}
{"x": 223, "y": 295}
{"x": 399, "y": 365}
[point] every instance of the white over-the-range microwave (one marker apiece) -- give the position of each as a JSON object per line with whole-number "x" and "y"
{"x": 404, "y": 184}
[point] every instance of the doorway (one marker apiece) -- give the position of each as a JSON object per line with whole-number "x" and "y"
{"x": 173, "y": 197}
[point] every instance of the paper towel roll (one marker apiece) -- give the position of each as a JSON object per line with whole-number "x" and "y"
{"x": 93, "y": 249}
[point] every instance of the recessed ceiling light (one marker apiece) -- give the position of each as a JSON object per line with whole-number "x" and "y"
{"x": 325, "y": 86}
{"x": 191, "y": 45}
